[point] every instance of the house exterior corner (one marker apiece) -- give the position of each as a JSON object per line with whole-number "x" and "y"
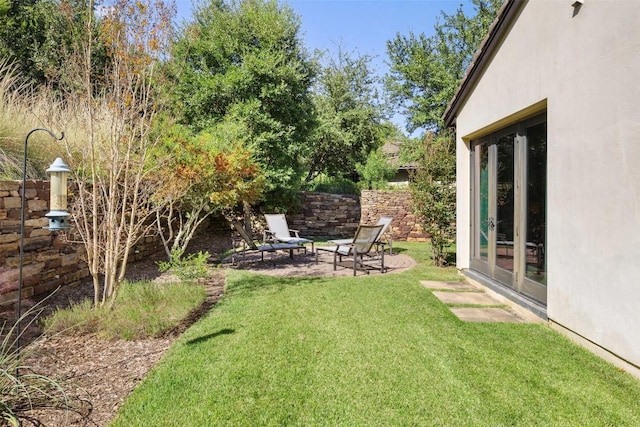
{"x": 548, "y": 198}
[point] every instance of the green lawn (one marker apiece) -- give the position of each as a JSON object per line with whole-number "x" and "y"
{"x": 372, "y": 351}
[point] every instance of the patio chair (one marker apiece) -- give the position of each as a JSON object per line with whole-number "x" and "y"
{"x": 362, "y": 245}
{"x": 279, "y": 230}
{"x": 246, "y": 243}
{"x": 383, "y": 238}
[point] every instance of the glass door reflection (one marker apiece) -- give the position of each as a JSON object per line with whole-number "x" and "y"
{"x": 505, "y": 202}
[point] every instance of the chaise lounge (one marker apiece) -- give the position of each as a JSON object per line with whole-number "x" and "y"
{"x": 280, "y": 231}
{"x": 246, "y": 244}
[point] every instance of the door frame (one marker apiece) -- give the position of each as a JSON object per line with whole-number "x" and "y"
{"x": 516, "y": 279}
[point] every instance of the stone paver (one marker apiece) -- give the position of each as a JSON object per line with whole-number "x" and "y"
{"x": 472, "y": 314}
{"x": 451, "y": 286}
{"x": 464, "y": 293}
{"x": 475, "y": 298}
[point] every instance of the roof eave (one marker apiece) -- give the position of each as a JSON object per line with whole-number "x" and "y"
{"x": 507, "y": 13}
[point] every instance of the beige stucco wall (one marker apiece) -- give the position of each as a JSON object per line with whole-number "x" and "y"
{"x": 587, "y": 69}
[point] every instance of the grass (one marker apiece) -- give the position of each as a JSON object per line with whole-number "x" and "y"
{"x": 142, "y": 309}
{"x": 377, "y": 350}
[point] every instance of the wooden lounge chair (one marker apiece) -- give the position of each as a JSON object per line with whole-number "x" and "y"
{"x": 362, "y": 245}
{"x": 246, "y": 243}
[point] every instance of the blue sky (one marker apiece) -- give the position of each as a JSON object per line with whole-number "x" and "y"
{"x": 361, "y": 26}
{"x": 364, "y": 26}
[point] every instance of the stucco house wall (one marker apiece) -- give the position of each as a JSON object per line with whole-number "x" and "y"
{"x": 582, "y": 66}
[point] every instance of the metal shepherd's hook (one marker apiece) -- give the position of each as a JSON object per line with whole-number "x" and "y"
{"x": 22, "y": 220}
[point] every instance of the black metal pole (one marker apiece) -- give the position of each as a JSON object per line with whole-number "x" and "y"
{"x": 22, "y": 220}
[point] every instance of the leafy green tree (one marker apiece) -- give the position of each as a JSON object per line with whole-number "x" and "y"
{"x": 349, "y": 118}
{"x": 243, "y": 61}
{"x": 40, "y": 35}
{"x": 425, "y": 71}
{"x": 376, "y": 171}
{"x": 434, "y": 192}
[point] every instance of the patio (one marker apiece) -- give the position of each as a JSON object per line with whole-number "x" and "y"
{"x": 304, "y": 264}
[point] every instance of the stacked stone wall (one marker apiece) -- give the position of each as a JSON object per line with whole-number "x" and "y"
{"x": 326, "y": 215}
{"x": 396, "y": 204}
{"x": 49, "y": 259}
{"x": 335, "y": 215}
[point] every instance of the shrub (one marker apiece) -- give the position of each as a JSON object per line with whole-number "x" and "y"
{"x": 434, "y": 193}
{"x": 332, "y": 185}
{"x": 188, "y": 268}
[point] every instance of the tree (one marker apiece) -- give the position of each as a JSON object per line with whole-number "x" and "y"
{"x": 377, "y": 170}
{"x": 110, "y": 148}
{"x": 434, "y": 192}
{"x": 210, "y": 173}
{"x": 348, "y": 118}
{"x": 38, "y": 36}
{"x": 243, "y": 61}
{"x": 426, "y": 71}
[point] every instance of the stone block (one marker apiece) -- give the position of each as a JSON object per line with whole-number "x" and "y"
{"x": 35, "y": 243}
{"x": 9, "y": 238}
{"x": 48, "y": 286}
{"x": 9, "y": 185}
{"x": 31, "y": 281}
{"x": 30, "y": 193}
{"x": 8, "y": 281}
{"x": 43, "y": 194}
{"x": 8, "y": 298}
{"x": 47, "y": 255}
{"x": 39, "y": 232}
{"x": 9, "y": 249}
{"x": 10, "y": 225}
{"x": 37, "y": 205}
{"x": 69, "y": 259}
{"x": 31, "y": 270}
{"x": 37, "y": 222}
{"x": 54, "y": 263}
{"x": 3, "y": 214}
{"x": 12, "y": 202}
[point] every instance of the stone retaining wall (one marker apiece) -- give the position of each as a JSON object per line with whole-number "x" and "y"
{"x": 49, "y": 260}
{"x": 326, "y": 215}
{"x": 396, "y": 204}
{"x": 336, "y": 215}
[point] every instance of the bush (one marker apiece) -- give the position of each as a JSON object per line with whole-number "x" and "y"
{"x": 332, "y": 185}
{"x": 187, "y": 268}
{"x": 434, "y": 193}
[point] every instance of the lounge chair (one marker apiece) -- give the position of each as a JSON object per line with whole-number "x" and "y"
{"x": 383, "y": 238}
{"x": 280, "y": 231}
{"x": 362, "y": 245}
{"x": 246, "y": 243}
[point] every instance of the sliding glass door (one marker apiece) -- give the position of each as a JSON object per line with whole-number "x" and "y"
{"x": 509, "y": 207}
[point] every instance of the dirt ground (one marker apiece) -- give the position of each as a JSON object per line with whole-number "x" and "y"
{"x": 100, "y": 374}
